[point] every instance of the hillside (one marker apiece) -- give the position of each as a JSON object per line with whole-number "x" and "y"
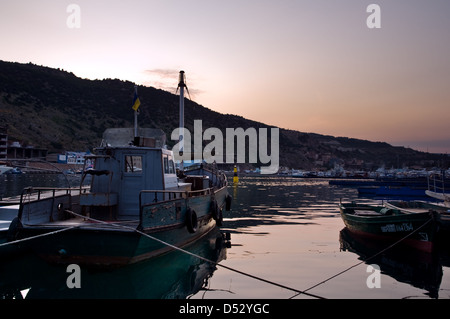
{"x": 54, "y": 109}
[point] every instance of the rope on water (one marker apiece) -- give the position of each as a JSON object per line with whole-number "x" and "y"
{"x": 197, "y": 256}
{"x": 297, "y": 291}
{"x": 367, "y": 259}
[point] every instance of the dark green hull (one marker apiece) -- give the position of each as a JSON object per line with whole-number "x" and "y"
{"x": 422, "y": 206}
{"x": 416, "y": 229}
{"x": 172, "y": 276}
{"x": 161, "y": 226}
{"x": 103, "y": 247}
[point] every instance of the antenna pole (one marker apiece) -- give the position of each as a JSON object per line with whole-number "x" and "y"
{"x": 181, "y": 86}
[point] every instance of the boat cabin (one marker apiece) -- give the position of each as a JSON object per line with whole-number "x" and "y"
{"x": 120, "y": 174}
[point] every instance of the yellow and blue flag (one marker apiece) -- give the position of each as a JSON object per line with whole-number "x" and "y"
{"x": 136, "y": 101}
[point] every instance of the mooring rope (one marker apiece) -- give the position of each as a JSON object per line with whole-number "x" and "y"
{"x": 367, "y": 259}
{"x": 38, "y": 236}
{"x": 297, "y": 291}
{"x": 200, "y": 257}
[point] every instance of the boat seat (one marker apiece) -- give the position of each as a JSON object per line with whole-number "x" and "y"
{"x": 361, "y": 212}
{"x": 386, "y": 211}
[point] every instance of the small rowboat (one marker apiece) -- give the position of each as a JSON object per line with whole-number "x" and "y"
{"x": 391, "y": 225}
{"x": 423, "y": 206}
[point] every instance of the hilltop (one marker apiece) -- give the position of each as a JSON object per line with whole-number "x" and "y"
{"x": 54, "y": 109}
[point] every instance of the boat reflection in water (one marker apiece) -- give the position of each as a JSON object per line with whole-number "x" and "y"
{"x": 407, "y": 265}
{"x": 175, "y": 275}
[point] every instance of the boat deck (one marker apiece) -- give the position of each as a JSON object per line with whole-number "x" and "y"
{"x": 41, "y": 194}
{"x": 362, "y": 212}
{"x": 84, "y": 223}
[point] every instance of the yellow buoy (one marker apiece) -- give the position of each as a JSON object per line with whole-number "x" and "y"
{"x": 235, "y": 176}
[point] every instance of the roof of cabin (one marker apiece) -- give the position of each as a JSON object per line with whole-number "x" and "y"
{"x": 119, "y": 137}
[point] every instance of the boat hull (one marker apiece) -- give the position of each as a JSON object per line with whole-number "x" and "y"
{"x": 162, "y": 227}
{"x": 419, "y": 229}
{"x": 109, "y": 247}
{"x": 421, "y": 206}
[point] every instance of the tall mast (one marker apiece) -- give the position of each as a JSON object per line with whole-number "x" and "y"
{"x": 181, "y": 86}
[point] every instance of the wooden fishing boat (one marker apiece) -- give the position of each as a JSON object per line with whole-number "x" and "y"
{"x": 390, "y": 225}
{"x": 137, "y": 206}
{"x": 424, "y": 207}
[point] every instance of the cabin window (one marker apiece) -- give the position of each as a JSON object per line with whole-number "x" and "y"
{"x": 133, "y": 164}
{"x": 169, "y": 165}
{"x": 166, "y": 164}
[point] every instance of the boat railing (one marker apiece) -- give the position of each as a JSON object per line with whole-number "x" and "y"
{"x": 159, "y": 196}
{"x": 48, "y": 199}
{"x": 37, "y": 193}
{"x": 217, "y": 177}
{"x": 168, "y": 195}
{"x": 436, "y": 183}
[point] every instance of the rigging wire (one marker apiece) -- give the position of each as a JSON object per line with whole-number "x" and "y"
{"x": 367, "y": 259}
{"x": 38, "y": 236}
{"x": 297, "y": 291}
{"x": 200, "y": 257}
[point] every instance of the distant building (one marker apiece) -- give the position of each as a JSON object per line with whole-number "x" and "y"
{"x": 14, "y": 150}
{"x": 74, "y": 158}
{"x": 62, "y": 158}
{"x": 3, "y": 143}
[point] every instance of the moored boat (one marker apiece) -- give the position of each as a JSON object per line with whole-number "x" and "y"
{"x": 391, "y": 225}
{"x": 424, "y": 207}
{"x": 137, "y": 206}
{"x": 445, "y": 197}
{"x": 437, "y": 188}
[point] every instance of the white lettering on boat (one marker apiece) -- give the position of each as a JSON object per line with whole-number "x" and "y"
{"x": 393, "y": 228}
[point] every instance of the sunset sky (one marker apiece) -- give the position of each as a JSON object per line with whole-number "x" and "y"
{"x": 307, "y": 65}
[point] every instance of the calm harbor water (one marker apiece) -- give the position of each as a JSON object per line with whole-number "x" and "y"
{"x": 284, "y": 230}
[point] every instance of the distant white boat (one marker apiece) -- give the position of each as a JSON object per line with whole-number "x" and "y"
{"x": 436, "y": 188}
{"x": 441, "y": 196}
{"x": 9, "y": 170}
{"x": 4, "y": 169}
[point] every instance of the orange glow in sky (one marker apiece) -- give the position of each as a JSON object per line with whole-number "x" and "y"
{"x": 311, "y": 66}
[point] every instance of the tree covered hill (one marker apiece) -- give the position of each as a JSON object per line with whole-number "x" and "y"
{"x": 54, "y": 109}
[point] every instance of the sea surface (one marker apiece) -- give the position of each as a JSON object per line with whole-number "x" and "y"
{"x": 286, "y": 237}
